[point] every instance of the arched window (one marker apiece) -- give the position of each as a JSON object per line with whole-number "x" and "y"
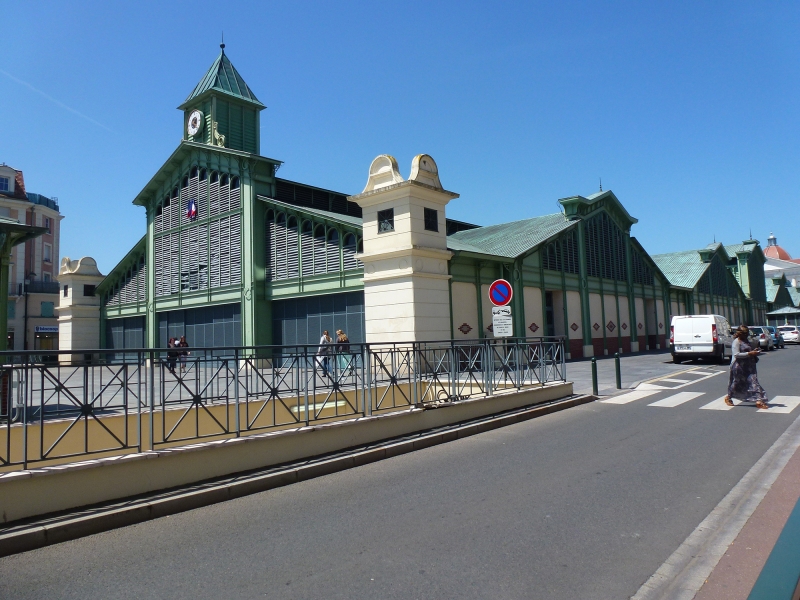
{"x": 224, "y": 179}
{"x": 185, "y": 182}
{"x": 271, "y": 250}
{"x": 235, "y": 183}
{"x": 193, "y": 172}
{"x": 214, "y": 177}
{"x": 203, "y": 174}
{"x": 175, "y": 192}
{"x": 307, "y": 245}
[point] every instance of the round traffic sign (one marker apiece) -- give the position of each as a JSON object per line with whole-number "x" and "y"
{"x": 500, "y": 293}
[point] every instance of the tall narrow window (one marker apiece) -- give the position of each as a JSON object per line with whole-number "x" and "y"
{"x": 431, "y": 219}
{"x": 385, "y": 220}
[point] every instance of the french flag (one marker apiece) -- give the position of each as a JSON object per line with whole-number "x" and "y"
{"x": 191, "y": 210}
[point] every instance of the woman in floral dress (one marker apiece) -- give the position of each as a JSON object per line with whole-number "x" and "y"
{"x": 743, "y": 383}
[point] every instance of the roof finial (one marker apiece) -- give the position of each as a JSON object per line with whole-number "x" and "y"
{"x": 601, "y": 184}
{"x": 222, "y": 45}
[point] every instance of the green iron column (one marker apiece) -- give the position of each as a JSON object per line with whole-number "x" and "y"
{"x": 583, "y": 291}
{"x": 151, "y": 318}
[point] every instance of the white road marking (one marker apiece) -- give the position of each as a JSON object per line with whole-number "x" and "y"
{"x": 631, "y": 396}
{"x": 651, "y": 386}
{"x": 718, "y": 404}
{"x": 698, "y": 372}
{"x": 677, "y": 399}
{"x": 789, "y": 404}
{"x": 655, "y": 386}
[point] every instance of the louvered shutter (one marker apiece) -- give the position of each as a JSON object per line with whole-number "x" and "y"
{"x": 319, "y": 250}
{"x": 349, "y": 252}
{"x": 292, "y": 249}
{"x": 307, "y": 243}
{"x": 332, "y": 252}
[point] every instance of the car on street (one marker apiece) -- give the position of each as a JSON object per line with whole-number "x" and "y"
{"x": 765, "y": 340}
{"x": 700, "y": 336}
{"x": 777, "y": 338}
{"x": 790, "y": 333}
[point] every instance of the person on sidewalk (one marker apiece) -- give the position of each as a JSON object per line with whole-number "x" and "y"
{"x": 183, "y": 345}
{"x": 323, "y": 352}
{"x": 343, "y": 357}
{"x": 743, "y": 383}
{"x": 172, "y": 355}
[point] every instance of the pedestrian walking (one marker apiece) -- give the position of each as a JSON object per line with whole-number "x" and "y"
{"x": 343, "y": 357}
{"x": 172, "y": 355}
{"x": 323, "y": 352}
{"x": 743, "y": 383}
{"x": 184, "y": 353}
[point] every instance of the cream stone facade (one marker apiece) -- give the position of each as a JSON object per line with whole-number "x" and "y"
{"x": 79, "y": 307}
{"x": 406, "y": 280}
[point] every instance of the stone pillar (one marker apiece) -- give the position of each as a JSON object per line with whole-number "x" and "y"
{"x": 405, "y": 257}
{"x": 78, "y": 308}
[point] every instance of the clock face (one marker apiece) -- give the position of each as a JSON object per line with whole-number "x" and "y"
{"x": 195, "y": 123}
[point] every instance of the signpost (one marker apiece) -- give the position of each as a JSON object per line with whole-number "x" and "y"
{"x": 500, "y": 294}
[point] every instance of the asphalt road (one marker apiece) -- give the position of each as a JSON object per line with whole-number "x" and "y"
{"x": 582, "y": 504}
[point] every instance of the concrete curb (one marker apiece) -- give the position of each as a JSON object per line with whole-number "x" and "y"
{"x": 49, "y": 531}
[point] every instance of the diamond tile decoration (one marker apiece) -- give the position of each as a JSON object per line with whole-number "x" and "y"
{"x": 661, "y": 326}
{"x": 624, "y": 325}
{"x": 641, "y": 326}
{"x": 595, "y": 326}
{"x": 611, "y": 326}
{"x": 574, "y": 327}
{"x": 533, "y": 327}
{"x": 490, "y": 327}
{"x": 465, "y": 328}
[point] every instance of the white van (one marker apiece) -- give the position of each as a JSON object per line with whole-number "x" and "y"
{"x": 700, "y": 336}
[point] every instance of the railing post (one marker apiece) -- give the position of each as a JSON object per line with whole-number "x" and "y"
{"x": 368, "y": 377}
{"x": 25, "y": 370}
{"x": 305, "y": 380}
{"x": 412, "y": 364}
{"x": 594, "y": 377}
{"x": 152, "y": 394}
{"x": 618, "y": 372}
{"x": 139, "y": 365}
{"x": 236, "y": 388}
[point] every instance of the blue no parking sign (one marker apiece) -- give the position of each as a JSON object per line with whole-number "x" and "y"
{"x": 500, "y": 293}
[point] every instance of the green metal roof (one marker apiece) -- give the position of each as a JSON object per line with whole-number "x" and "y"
{"x": 682, "y": 269}
{"x": 330, "y": 216}
{"x": 786, "y": 310}
{"x": 223, "y": 77}
{"x": 795, "y": 294}
{"x": 773, "y": 289}
{"x": 510, "y": 240}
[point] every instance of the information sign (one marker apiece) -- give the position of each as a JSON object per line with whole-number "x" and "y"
{"x": 500, "y": 293}
{"x": 502, "y": 323}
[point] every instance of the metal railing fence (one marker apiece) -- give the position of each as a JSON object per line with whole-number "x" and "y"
{"x": 69, "y": 405}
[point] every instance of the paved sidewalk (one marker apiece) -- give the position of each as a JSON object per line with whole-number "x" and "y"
{"x": 634, "y": 368}
{"x": 735, "y": 574}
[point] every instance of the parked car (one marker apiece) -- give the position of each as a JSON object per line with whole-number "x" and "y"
{"x": 790, "y": 333}
{"x": 765, "y": 340}
{"x": 777, "y": 338}
{"x": 700, "y": 336}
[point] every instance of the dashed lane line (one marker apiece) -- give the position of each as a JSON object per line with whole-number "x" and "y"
{"x": 630, "y": 396}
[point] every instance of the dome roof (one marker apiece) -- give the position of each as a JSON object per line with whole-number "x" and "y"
{"x": 774, "y": 251}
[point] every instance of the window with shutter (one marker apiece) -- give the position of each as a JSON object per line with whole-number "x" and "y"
{"x": 292, "y": 249}
{"x": 332, "y": 252}
{"x": 319, "y": 250}
{"x": 349, "y": 252}
{"x": 307, "y": 245}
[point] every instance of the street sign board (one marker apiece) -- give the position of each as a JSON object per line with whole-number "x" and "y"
{"x": 500, "y": 292}
{"x": 502, "y": 323}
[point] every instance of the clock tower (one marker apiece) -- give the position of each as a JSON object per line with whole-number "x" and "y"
{"x": 222, "y": 110}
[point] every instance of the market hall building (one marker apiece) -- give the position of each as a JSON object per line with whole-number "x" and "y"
{"x": 234, "y": 255}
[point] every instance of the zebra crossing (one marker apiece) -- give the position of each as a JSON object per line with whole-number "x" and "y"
{"x": 648, "y": 390}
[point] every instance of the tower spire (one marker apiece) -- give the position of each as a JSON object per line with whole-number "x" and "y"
{"x": 222, "y": 44}
{"x": 601, "y": 184}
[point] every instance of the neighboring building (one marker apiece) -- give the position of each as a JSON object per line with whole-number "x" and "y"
{"x": 779, "y": 262}
{"x": 33, "y": 288}
{"x": 703, "y": 283}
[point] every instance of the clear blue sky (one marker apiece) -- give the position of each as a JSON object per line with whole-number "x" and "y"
{"x": 688, "y": 111}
